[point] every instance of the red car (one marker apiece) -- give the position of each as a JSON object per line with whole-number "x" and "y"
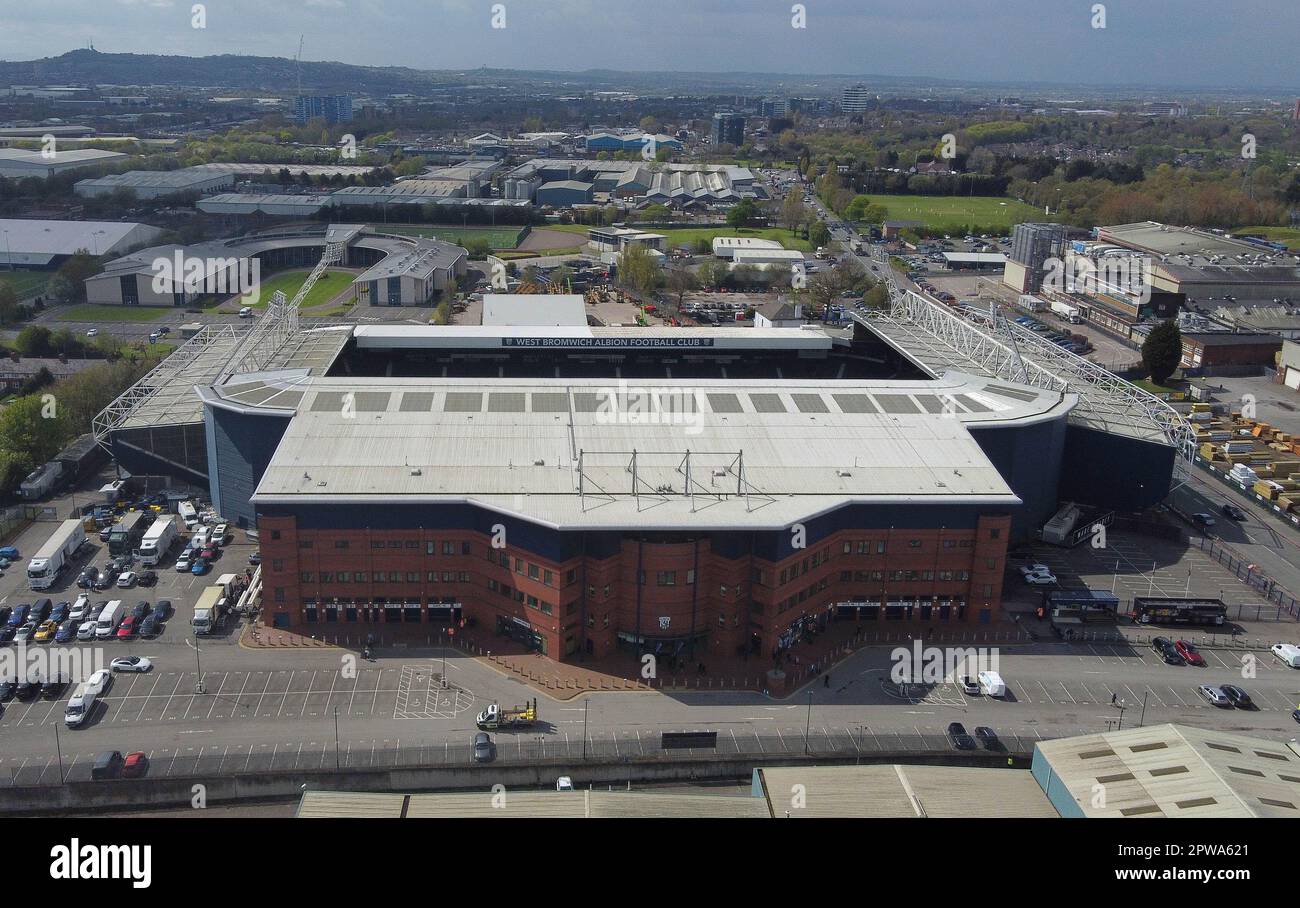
{"x": 208, "y": 553}
{"x": 135, "y": 765}
{"x": 1189, "y": 653}
{"x": 127, "y": 628}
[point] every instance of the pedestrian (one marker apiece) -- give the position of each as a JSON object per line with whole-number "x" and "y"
{"x": 826, "y": 680}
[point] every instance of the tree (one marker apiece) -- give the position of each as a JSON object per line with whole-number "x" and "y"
{"x": 819, "y": 234}
{"x": 62, "y": 289}
{"x": 793, "y": 212}
{"x": 712, "y": 273}
{"x": 34, "y": 340}
{"x": 638, "y": 271}
{"x": 9, "y": 312}
{"x": 742, "y": 213}
{"x": 1162, "y": 351}
{"x": 681, "y": 282}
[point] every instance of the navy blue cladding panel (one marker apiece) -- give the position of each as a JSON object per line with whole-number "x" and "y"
{"x": 1029, "y": 459}
{"x": 1111, "y": 471}
{"x": 245, "y": 444}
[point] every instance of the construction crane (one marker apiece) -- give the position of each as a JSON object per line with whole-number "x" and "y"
{"x": 297, "y": 63}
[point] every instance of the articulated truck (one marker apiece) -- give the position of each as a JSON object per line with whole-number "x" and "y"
{"x": 44, "y": 568}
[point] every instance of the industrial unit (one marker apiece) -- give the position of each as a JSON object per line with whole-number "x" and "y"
{"x": 153, "y": 184}
{"x": 19, "y": 164}
{"x": 45, "y": 245}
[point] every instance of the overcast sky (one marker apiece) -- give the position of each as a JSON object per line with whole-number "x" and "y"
{"x": 1230, "y": 43}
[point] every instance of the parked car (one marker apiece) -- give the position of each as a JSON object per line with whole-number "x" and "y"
{"x": 127, "y": 629}
{"x": 1214, "y": 695}
{"x": 1202, "y": 519}
{"x": 970, "y": 686}
{"x": 1036, "y": 579}
{"x": 959, "y": 737}
{"x": 18, "y": 617}
{"x": 28, "y": 688}
{"x": 127, "y": 580}
{"x": 41, "y": 610}
{"x": 483, "y": 748}
{"x": 106, "y": 580}
{"x": 99, "y": 681}
{"x": 24, "y": 634}
{"x": 146, "y": 578}
{"x": 1238, "y": 696}
{"x": 162, "y": 609}
{"x": 199, "y": 567}
{"x": 1231, "y": 510}
{"x": 1164, "y": 648}
{"x": 150, "y": 626}
{"x": 59, "y": 613}
{"x": 107, "y": 765}
{"x": 1191, "y": 655}
{"x": 135, "y": 765}
{"x": 130, "y": 664}
{"x": 183, "y": 563}
{"x": 87, "y": 578}
{"x": 209, "y": 553}
{"x": 7, "y": 688}
{"x": 988, "y": 737}
{"x": 255, "y": 558}
{"x": 67, "y": 632}
{"x": 86, "y": 630}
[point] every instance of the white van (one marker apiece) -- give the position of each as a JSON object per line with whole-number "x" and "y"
{"x": 80, "y": 705}
{"x": 199, "y": 539}
{"x": 1287, "y": 653}
{"x": 992, "y": 684}
{"x": 110, "y": 618}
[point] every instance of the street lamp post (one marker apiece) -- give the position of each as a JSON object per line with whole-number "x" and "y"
{"x": 808, "y": 724}
{"x": 1143, "y": 718}
{"x": 585, "y": 704}
{"x": 336, "y": 738}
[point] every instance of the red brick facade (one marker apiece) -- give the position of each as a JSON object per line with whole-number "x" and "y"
{"x": 337, "y": 580}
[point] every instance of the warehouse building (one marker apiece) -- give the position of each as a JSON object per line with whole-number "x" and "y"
{"x": 283, "y": 205}
{"x": 612, "y": 240}
{"x": 564, "y": 193}
{"x": 45, "y": 245}
{"x": 1169, "y": 771}
{"x": 632, "y": 142}
{"x": 725, "y": 247}
{"x": 515, "y": 310}
{"x": 678, "y": 185}
{"x": 154, "y": 184}
{"x": 17, "y": 164}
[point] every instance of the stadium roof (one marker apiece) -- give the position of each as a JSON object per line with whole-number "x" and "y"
{"x": 1175, "y": 771}
{"x": 609, "y": 338}
{"x": 583, "y": 804}
{"x": 975, "y": 258}
{"x": 561, "y": 452}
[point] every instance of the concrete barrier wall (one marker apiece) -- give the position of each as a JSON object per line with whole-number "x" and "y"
{"x": 153, "y": 793}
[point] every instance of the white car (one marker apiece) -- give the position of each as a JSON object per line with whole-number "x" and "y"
{"x": 183, "y": 563}
{"x": 127, "y": 580}
{"x": 219, "y": 533}
{"x": 87, "y": 630}
{"x": 130, "y": 664}
{"x": 79, "y": 609}
{"x": 93, "y": 332}
{"x": 564, "y": 783}
{"x": 99, "y": 681}
{"x": 1214, "y": 695}
{"x": 24, "y": 633}
{"x": 1040, "y": 579}
{"x": 1034, "y": 568}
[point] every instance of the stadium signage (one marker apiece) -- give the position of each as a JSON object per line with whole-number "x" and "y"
{"x": 607, "y": 342}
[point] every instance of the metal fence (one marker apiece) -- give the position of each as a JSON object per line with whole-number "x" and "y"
{"x": 1249, "y": 574}
{"x": 525, "y": 749}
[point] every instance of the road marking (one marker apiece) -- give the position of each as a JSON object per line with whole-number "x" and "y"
{"x": 217, "y": 696}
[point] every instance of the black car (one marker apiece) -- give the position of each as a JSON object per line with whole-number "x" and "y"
{"x": 52, "y": 688}
{"x": 4, "y": 614}
{"x": 41, "y": 611}
{"x": 1164, "y": 648}
{"x": 960, "y": 739}
{"x": 1295, "y": 714}
{"x": 95, "y": 609}
{"x": 60, "y": 612}
{"x": 988, "y": 737}
{"x": 10, "y": 685}
{"x": 7, "y": 633}
{"x": 106, "y": 580}
{"x": 18, "y": 617}
{"x": 87, "y": 578}
{"x": 1236, "y": 513}
{"x": 151, "y": 626}
{"x": 28, "y": 688}
{"x": 141, "y": 609}
{"x": 1239, "y": 697}
{"x": 162, "y": 609}
{"x": 146, "y": 578}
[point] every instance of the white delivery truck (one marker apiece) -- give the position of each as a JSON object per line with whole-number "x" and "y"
{"x": 207, "y": 611}
{"x": 1287, "y": 653}
{"x": 992, "y": 684}
{"x": 1067, "y": 312}
{"x": 188, "y": 515}
{"x": 58, "y": 550}
{"x": 79, "y": 705}
{"x": 199, "y": 539}
{"x": 157, "y": 541}
{"x": 109, "y": 619}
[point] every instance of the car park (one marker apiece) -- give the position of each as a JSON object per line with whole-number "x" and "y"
{"x": 130, "y": 664}
{"x": 959, "y": 737}
{"x": 1238, "y": 696}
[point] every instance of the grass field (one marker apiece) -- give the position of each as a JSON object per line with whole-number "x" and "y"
{"x": 91, "y": 313}
{"x": 1288, "y": 235}
{"x": 956, "y": 213}
{"x": 497, "y": 237}
{"x": 26, "y": 283}
{"x": 330, "y": 285}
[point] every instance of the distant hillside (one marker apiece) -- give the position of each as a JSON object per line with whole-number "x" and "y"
{"x": 239, "y": 73}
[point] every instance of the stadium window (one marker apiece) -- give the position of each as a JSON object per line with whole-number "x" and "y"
{"x": 394, "y": 543}
{"x": 449, "y": 548}
{"x": 467, "y": 548}
{"x": 533, "y": 571}
{"x": 275, "y": 534}
{"x": 306, "y": 577}
{"x": 277, "y": 564}
{"x": 570, "y": 577}
{"x": 430, "y": 547}
{"x": 412, "y": 544}
{"x": 340, "y": 543}
{"x": 548, "y": 578}
{"x": 666, "y": 578}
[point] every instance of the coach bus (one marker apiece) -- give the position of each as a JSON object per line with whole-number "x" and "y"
{"x": 1169, "y": 610}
